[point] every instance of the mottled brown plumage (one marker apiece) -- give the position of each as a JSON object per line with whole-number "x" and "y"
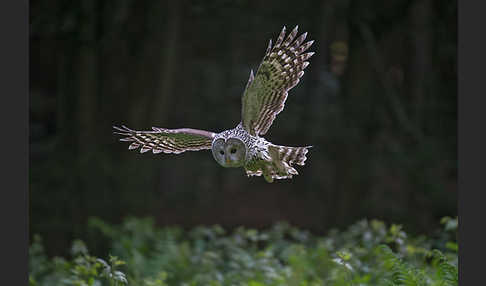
{"x": 264, "y": 97}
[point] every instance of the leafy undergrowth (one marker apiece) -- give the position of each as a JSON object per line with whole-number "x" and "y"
{"x": 367, "y": 253}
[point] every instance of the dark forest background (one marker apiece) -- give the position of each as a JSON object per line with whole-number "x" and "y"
{"x": 378, "y": 102}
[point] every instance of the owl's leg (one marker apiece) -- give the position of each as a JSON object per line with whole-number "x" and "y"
{"x": 268, "y": 172}
{"x": 260, "y": 167}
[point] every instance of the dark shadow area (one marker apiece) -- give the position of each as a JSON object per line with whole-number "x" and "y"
{"x": 378, "y": 102}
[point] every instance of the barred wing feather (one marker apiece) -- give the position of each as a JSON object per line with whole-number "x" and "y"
{"x": 281, "y": 69}
{"x": 166, "y": 140}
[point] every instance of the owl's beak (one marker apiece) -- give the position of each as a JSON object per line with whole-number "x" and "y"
{"x": 227, "y": 161}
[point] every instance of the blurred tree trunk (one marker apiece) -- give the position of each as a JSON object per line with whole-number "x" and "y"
{"x": 160, "y": 100}
{"x": 333, "y": 29}
{"x": 421, "y": 13}
{"x": 159, "y": 106}
{"x": 64, "y": 105}
{"x": 141, "y": 63}
{"x": 421, "y": 78}
{"x": 314, "y": 119}
{"x": 87, "y": 70}
{"x": 86, "y": 66}
{"x": 396, "y": 106}
{"x": 326, "y": 19}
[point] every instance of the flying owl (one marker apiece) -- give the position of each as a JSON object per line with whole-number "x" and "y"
{"x": 264, "y": 97}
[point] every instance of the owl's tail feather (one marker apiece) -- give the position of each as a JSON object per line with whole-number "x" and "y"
{"x": 289, "y": 155}
{"x": 283, "y": 157}
{"x": 277, "y": 164}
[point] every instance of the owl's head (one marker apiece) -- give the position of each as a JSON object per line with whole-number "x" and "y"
{"x": 230, "y": 152}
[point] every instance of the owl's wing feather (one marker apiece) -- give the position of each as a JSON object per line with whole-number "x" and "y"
{"x": 281, "y": 69}
{"x": 166, "y": 140}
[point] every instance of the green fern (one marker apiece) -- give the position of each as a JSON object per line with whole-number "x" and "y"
{"x": 401, "y": 272}
{"x": 368, "y": 253}
{"x": 446, "y": 271}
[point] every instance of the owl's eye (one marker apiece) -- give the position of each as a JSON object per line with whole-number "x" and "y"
{"x": 233, "y": 150}
{"x": 221, "y": 152}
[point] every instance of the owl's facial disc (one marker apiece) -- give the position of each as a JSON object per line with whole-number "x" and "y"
{"x": 235, "y": 152}
{"x": 229, "y": 153}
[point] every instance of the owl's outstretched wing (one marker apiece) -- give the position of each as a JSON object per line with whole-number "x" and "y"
{"x": 266, "y": 91}
{"x": 166, "y": 140}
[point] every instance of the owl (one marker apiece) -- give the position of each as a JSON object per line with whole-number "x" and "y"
{"x": 264, "y": 97}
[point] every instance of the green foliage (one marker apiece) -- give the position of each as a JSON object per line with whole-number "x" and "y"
{"x": 367, "y": 253}
{"x": 82, "y": 270}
